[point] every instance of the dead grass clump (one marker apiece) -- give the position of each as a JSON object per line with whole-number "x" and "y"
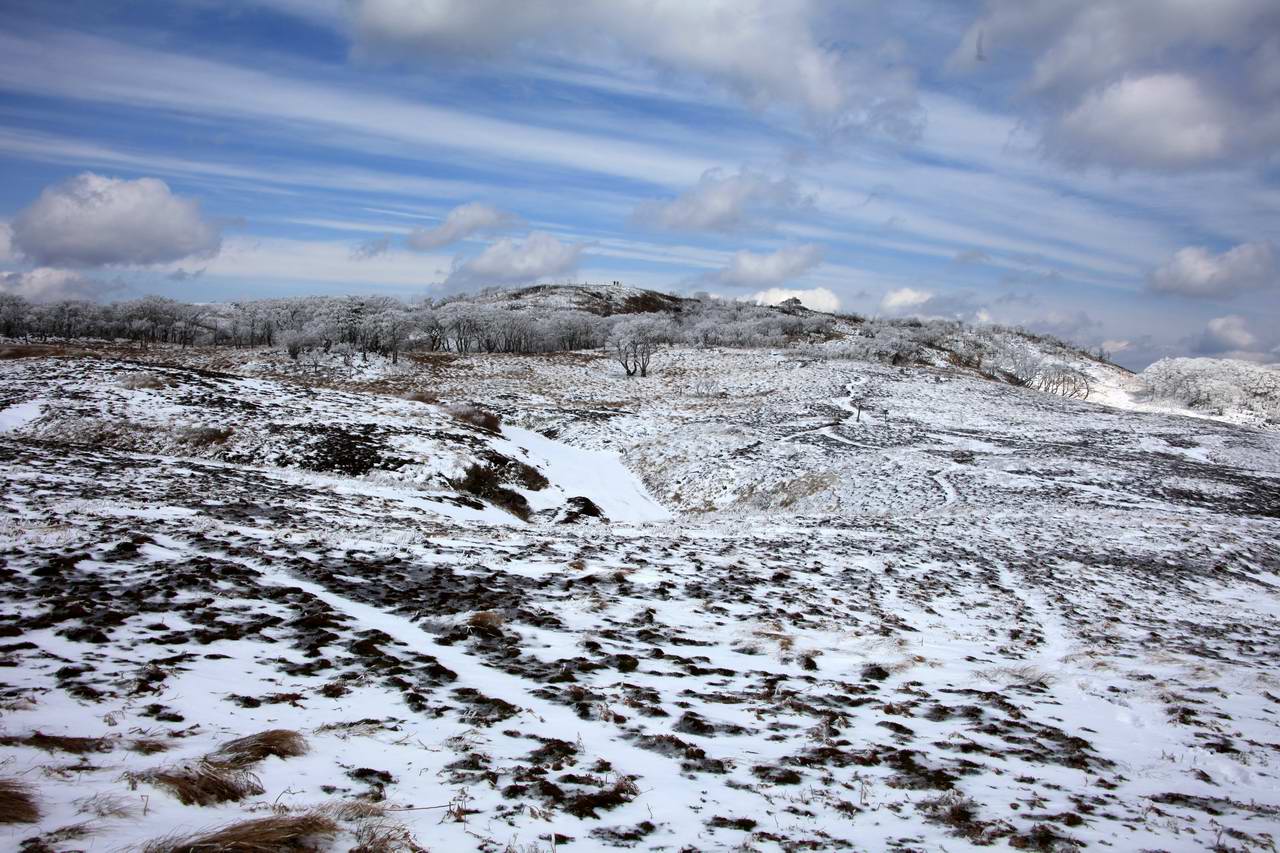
{"x": 106, "y": 805}
{"x": 142, "y": 381}
{"x": 385, "y": 836}
{"x": 421, "y": 396}
{"x": 242, "y": 752}
{"x": 202, "y": 783}
{"x": 73, "y": 832}
{"x": 1026, "y": 677}
{"x": 59, "y": 743}
{"x": 17, "y": 802}
{"x": 486, "y": 483}
{"x": 486, "y": 619}
{"x": 584, "y": 805}
{"x": 958, "y": 812}
{"x": 204, "y": 436}
{"x": 476, "y": 416}
{"x": 352, "y": 810}
{"x": 148, "y": 746}
{"x": 302, "y": 832}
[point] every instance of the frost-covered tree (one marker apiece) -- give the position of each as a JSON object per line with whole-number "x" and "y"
{"x": 634, "y": 340}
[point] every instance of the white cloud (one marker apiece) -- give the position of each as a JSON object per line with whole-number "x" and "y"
{"x": 915, "y": 302}
{"x": 1160, "y": 120}
{"x": 815, "y": 299}
{"x": 768, "y": 51}
{"x": 45, "y": 284}
{"x": 510, "y": 262}
{"x": 721, "y": 202}
{"x": 462, "y": 222}
{"x": 753, "y": 269}
{"x": 904, "y": 298}
{"x": 6, "y": 242}
{"x": 1066, "y": 324}
{"x": 1228, "y": 334}
{"x": 1195, "y": 271}
{"x": 1151, "y": 84}
{"x": 91, "y": 221}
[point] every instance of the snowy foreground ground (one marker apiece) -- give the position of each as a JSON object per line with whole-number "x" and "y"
{"x": 973, "y": 615}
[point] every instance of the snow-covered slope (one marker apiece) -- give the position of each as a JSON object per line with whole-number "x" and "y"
{"x": 260, "y": 422}
{"x": 866, "y": 607}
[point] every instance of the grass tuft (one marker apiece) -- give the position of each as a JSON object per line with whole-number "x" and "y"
{"x": 17, "y": 802}
{"x": 59, "y": 743}
{"x": 242, "y": 752}
{"x": 201, "y": 783}
{"x": 303, "y": 832}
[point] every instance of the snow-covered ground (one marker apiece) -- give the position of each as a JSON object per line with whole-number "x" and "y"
{"x": 835, "y": 606}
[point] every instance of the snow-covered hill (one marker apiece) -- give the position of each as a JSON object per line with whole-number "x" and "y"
{"x": 456, "y": 464}
{"x": 836, "y": 605}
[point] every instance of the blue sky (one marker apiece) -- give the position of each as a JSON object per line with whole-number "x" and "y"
{"x": 1099, "y": 169}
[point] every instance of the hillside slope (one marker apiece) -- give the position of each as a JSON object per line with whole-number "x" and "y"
{"x": 972, "y": 615}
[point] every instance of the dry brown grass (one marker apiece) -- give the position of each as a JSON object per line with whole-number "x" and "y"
{"x": 245, "y": 751}
{"x": 13, "y": 351}
{"x": 72, "y": 832}
{"x": 148, "y": 745}
{"x": 486, "y": 619}
{"x": 476, "y": 416}
{"x": 201, "y": 783}
{"x": 385, "y": 836}
{"x": 420, "y": 396}
{"x": 59, "y": 743}
{"x": 303, "y": 832}
{"x": 17, "y": 802}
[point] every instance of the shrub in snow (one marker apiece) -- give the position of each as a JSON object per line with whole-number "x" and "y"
{"x": 476, "y": 416}
{"x": 1216, "y": 385}
{"x": 204, "y": 436}
{"x": 142, "y": 381}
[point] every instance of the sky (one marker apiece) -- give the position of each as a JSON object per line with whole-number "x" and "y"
{"x": 1102, "y": 170}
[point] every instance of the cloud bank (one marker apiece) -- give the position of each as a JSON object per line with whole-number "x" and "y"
{"x": 44, "y": 284}
{"x": 1197, "y": 272}
{"x": 1166, "y": 85}
{"x": 94, "y": 221}
{"x": 518, "y": 262}
{"x": 815, "y": 299}
{"x": 753, "y": 269}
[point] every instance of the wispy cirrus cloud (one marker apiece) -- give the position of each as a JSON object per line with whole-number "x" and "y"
{"x": 768, "y": 51}
{"x": 462, "y": 222}
{"x": 88, "y": 68}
